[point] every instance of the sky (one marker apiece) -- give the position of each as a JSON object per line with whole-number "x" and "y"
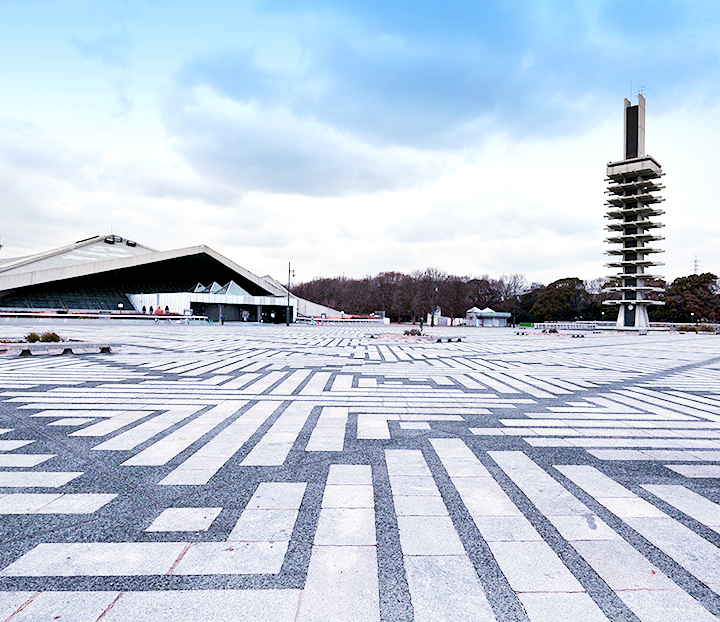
{"x": 351, "y": 138}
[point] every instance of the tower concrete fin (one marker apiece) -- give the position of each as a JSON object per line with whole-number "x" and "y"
{"x": 634, "y": 128}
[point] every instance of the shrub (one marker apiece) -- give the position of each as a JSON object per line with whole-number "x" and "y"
{"x": 32, "y": 338}
{"x": 50, "y": 338}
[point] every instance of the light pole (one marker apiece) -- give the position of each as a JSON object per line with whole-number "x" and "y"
{"x": 432, "y": 310}
{"x": 287, "y": 311}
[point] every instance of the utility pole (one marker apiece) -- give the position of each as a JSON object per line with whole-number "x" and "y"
{"x": 287, "y": 311}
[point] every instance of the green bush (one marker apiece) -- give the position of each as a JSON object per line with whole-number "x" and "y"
{"x": 50, "y": 338}
{"x": 32, "y": 337}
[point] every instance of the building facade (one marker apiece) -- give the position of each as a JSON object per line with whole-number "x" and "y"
{"x": 116, "y": 275}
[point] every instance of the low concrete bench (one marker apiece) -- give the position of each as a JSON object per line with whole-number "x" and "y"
{"x": 58, "y": 348}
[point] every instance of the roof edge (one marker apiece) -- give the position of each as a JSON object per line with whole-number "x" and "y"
{"x": 28, "y": 278}
{"x": 22, "y": 261}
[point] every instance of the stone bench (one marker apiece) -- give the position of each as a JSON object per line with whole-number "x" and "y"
{"x": 58, "y": 348}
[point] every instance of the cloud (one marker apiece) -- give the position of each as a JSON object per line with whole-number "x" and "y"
{"x": 123, "y": 104}
{"x": 55, "y": 192}
{"x": 256, "y": 148}
{"x": 387, "y": 95}
{"x": 109, "y": 49}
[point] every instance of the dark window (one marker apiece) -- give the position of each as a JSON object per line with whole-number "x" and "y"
{"x": 631, "y": 132}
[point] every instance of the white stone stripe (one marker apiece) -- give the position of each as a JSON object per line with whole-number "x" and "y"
{"x": 492, "y": 383}
{"x": 673, "y": 403}
{"x": 211, "y": 457}
{"x": 696, "y": 470}
{"x": 146, "y": 430}
{"x": 342, "y": 382}
{"x": 207, "y": 605}
{"x": 641, "y": 404}
{"x": 53, "y": 503}
{"x": 511, "y": 537}
{"x": 692, "y": 552}
{"x": 329, "y": 432}
{"x": 12, "y": 445}
{"x": 655, "y": 454}
{"x": 264, "y": 383}
{"x": 273, "y": 448}
{"x": 375, "y": 426}
{"x": 113, "y": 559}
{"x": 270, "y": 514}
{"x": 212, "y": 366}
{"x": 79, "y": 413}
{"x": 469, "y": 383}
{"x": 292, "y": 382}
{"x": 657, "y": 443}
{"x": 342, "y": 581}
{"x": 178, "y": 441}
{"x": 641, "y": 586}
{"x": 317, "y": 383}
{"x": 23, "y": 461}
{"x": 36, "y": 479}
{"x": 523, "y": 386}
{"x": 675, "y": 397}
{"x": 691, "y": 503}
{"x": 112, "y": 424}
{"x": 610, "y": 423}
{"x": 546, "y": 385}
{"x": 442, "y": 579}
{"x": 240, "y": 382}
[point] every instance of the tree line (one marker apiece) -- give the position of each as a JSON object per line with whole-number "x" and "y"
{"x": 409, "y": 297}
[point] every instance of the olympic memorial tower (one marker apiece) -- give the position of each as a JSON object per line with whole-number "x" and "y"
{"x": 632, "y": 206}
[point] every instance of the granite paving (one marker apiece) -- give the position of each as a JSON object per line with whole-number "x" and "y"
{"x": 348, "y": 472}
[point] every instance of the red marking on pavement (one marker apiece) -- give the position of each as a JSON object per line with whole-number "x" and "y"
{"x": 25, "y": 604}
{"x": 177, "y": 561}
{"x": 109, "y": 607}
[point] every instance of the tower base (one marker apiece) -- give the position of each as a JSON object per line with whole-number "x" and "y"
{"x": 632, "y": 316}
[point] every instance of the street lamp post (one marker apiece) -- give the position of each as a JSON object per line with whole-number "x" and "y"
{"x": 432, "y": 310}
{"x": 287, "y": 311}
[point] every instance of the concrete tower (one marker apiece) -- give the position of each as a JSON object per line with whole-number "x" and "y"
{"x": 633, "y": 184}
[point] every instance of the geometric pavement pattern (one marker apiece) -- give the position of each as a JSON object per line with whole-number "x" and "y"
{"x": 349, "y": 473}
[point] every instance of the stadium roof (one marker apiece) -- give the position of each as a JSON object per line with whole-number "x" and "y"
{"x": 113, "y": 259}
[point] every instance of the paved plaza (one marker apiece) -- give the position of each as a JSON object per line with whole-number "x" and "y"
{"x": 333, "y": 473}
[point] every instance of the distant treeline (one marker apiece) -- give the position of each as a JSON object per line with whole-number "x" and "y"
{"x": 409, "y": 297}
